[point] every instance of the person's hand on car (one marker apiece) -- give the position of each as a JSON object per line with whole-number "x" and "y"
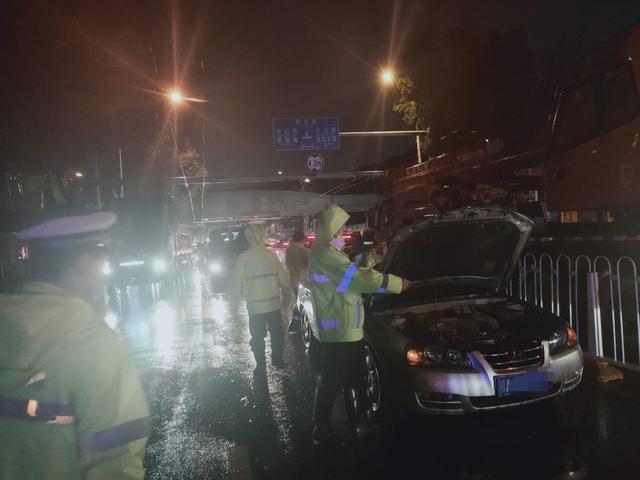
{"x": 405, "y": 284}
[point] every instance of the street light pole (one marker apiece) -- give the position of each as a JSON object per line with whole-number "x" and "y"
{"x": 388, "y": 79}
{"x": 121, "y": 174}
{"x": 176, "y": 98}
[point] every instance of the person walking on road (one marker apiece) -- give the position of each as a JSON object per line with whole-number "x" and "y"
{"x": 297, "y": 261}
{"x": 336, "y": 286}
{"x": 71, "y": 403}
{"x": 260, "y": 278}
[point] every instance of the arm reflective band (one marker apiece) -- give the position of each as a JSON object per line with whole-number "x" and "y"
{"x": 25, "y": 409}
{"x": 346, "y": 278}
{"x": 115, "y": 436}
{"x": 318, "y": 278}
{"x": 336, "y": 242}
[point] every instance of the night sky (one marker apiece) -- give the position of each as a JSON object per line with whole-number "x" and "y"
{"x": 78, "y": 76}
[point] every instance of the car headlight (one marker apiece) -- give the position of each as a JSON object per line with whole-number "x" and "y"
{"x": 106, "y": 269}
{"x": 433, "y": 356}
{"x": 562, "y": 339}
{"x": 215, "y": 267}
{"x": 159, "y": 265}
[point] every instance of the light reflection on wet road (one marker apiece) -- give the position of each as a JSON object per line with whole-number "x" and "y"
{"x": 213, "y": 420}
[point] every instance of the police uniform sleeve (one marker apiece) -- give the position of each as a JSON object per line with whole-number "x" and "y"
{"x": 112, "y": 415}
{"x": 349, "y": 277}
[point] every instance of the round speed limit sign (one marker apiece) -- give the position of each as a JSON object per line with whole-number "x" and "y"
{"x": 315, "y": 162}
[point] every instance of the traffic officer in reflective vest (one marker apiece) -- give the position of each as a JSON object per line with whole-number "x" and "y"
{"x": 336, "y": 286}
{"x": 71, "y": 403}
{"x": 261, "y": 279}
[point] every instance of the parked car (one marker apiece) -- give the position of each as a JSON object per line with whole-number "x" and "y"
{"x": 454, "y": 342}
{"x": 140, "y": 253}
{"x": 225, "y": 247}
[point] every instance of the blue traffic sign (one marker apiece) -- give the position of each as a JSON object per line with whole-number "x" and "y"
{"x": 304, "y": 134}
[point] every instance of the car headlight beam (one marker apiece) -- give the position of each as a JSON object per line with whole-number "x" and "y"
{"x": 435, "y": 356}
{"x": 106, "y": 269}
{"x": 563, "y": 338}
{"x": 159, "y": 265}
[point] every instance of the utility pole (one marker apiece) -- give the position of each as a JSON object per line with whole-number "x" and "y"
{"x": 121, "y": 174}
{"x": 98, "y": 193}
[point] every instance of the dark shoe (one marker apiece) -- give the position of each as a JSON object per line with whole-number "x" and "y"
{"x": 325, "y": 437}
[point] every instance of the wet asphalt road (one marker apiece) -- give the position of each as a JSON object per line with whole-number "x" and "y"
{"x": 213, "y": 420}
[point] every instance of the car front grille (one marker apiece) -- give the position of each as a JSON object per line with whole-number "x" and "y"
{"x": 515, "y": 358}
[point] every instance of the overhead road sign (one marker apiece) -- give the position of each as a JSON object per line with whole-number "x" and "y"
{"x": 306, "y": 134}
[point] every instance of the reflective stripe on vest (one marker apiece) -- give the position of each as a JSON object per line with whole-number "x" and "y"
{"x": 346, "y": 278}
{"x": 270, "y": 299}
{"x": 336, "y": 242}
{"x": 329, "y": 324}
{"x": 115, "y": 436}
{"x": 29, "y": 409}
{"x": 262, "y": 275}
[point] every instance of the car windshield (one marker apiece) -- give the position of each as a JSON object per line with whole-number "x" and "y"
{"x": 470, "y": 249}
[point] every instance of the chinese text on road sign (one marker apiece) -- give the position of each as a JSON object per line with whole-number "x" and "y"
{"x": 304, "y": 134}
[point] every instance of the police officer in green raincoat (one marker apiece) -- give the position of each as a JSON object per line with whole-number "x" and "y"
{"x": 261, "y": 279}
{"x": 71, "y": 403}
{"x": 336, "y": 286}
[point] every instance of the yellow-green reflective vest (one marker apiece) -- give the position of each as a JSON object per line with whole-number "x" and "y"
{"x": 71, "y": 403}
{"x": 337, "y": 284}
{"x": 258, "y": 275}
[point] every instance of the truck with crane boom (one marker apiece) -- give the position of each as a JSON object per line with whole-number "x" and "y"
{"x": 587, "y": 170}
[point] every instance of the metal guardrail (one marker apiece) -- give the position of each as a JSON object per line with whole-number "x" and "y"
{"x": 597, "y": 296}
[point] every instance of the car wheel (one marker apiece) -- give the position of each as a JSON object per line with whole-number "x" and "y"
{"x": 373, "y": 385}
{"x": 306, "y": 330}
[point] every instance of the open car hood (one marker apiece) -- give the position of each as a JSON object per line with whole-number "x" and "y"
{"x": 476, "y": 246}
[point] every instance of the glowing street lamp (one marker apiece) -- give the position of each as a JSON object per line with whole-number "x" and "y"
{"x": 280, "y": 172}
{"x": 175, "y": 97}
{"x": 387, "y": 77}
{"x": 79, "y": 174}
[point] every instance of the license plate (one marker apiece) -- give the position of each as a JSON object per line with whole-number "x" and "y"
{"x": 522, "y": 383}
